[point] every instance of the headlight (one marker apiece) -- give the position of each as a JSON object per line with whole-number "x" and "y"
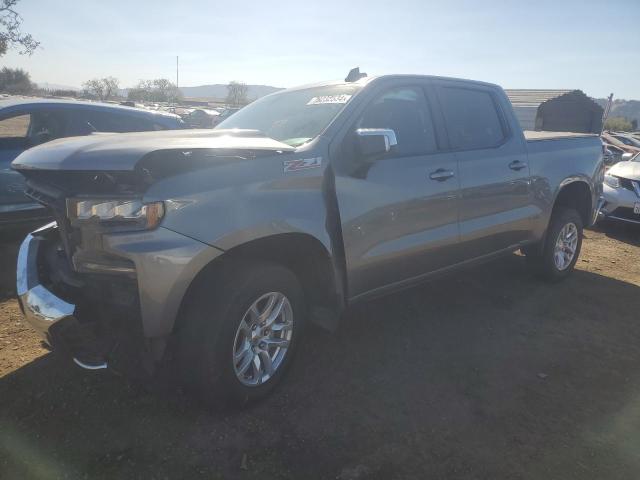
{"x": 130, "y": 214}
{"x": 613, "y": 182}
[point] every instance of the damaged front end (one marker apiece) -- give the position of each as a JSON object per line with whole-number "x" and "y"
{"x": 107, "y": 275}
{"x": 104, "y": 282}
{"x": 90, "y": 317}
{"x": 81, "y": 299}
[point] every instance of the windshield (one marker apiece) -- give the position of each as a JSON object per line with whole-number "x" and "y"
{"x": 293, "y": 117}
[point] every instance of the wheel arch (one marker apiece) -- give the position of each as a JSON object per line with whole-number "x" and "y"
{"x": 303, "y": 254}
{"x": 575, "y": 193}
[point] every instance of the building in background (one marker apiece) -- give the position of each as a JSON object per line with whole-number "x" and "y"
{"x": 556, "y": 110}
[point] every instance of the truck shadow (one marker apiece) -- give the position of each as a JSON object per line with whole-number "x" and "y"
{"x": 489, "y": 374}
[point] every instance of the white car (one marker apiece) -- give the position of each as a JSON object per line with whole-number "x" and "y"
{"x": 622, "y": 191}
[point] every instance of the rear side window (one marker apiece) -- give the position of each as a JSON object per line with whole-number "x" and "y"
{"x": 471, "y": 118}
{"x": 405, "y": 111}
{"x": 15, "y": 127}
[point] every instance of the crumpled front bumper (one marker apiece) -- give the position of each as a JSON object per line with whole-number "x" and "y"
{"x": 42, "y": 309}
{"x": 87, "y": 318}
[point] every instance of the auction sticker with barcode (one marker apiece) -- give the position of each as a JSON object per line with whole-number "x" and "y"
{"x": 325, "y": 99}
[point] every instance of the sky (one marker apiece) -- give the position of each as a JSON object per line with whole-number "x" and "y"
{"x": 590, "y": 45}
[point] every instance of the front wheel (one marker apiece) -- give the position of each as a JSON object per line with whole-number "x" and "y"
{"x": 237, "y": 342}
{"x": 559, "y": 254}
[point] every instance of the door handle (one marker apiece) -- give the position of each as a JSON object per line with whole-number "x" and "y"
{"x": 517, "y": 165}
{"x": 441, "y": 175}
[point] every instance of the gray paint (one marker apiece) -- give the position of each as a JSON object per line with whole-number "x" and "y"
{"x": 393, "y": 225}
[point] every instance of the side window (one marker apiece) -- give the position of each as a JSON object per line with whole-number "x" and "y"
{"x": 46, "y": 125}
{"x": 405, "y": 111}
{"x": 15, "y": 127}
{"x": 471, "y": 118}
{"x": 115, "y": 122}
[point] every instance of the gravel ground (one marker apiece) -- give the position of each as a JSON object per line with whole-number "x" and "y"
{"x": 489, "y": 374}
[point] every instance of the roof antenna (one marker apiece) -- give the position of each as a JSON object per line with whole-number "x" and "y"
{"x": 354, "y": 75}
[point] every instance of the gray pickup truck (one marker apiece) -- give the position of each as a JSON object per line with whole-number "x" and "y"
{"x": 211, "y": 250}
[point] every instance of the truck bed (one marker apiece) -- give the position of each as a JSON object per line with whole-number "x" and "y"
{"x": 531, "y": 135}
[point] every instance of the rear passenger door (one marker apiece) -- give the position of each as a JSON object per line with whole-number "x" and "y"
{"x": 496, "y": 203}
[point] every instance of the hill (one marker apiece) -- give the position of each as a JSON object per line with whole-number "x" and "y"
{"x": 55, "y": 86}
{"x": 219, "y": 91}
{"x": 622, "y": 108}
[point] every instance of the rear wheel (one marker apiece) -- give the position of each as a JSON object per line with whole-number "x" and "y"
{"x": 236, "y": 343}
{"x": 559, "y": 254}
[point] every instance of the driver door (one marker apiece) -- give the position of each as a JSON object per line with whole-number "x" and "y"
{"x": 399, "y": 213}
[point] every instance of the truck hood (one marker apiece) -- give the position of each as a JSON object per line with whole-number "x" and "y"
{"x": 630, "y": 170}
{"x": 121, "y": 152}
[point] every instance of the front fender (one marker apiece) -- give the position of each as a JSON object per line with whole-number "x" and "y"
{"x": 230, "y": 205}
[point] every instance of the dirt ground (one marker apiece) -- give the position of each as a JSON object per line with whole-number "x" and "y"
{"x": 489, "y": 374}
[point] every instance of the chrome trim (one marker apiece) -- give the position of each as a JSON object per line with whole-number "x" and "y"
{"x": 598, "y": 211}
{"x": 86, "y": 366}
{"x": 390, "y": 139}
{"x": 42, "y": 309}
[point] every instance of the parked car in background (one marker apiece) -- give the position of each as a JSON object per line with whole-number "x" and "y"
{"x": 627, "y": 139}
{"x": 613, "y": 154}
{"x": 27, "y": 122}
{"x": 202, "y": 118}
{"x": 223, "y": 243}
{"x": 227, "y": 112}
{"x": 609, "y": 138}
{"x": 622, "y": 191}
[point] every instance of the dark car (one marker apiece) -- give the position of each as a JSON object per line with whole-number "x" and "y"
{"x": 27, "y": 122}
{"x": 202, "y": 118}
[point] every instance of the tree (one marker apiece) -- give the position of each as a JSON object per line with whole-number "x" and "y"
{"x": 102, "y": 88}
{"x": 620, "y": 124}
{"x": 158, "y": 90}
{"x": 10, "y": 34}
{"x": 237, "y": 93}
{"x": 111, "y": 85}
{"x": 15, "y": 81}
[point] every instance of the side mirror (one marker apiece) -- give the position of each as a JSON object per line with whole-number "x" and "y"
{"x": 627, "y": 156}
{"x": 373, "y": 142}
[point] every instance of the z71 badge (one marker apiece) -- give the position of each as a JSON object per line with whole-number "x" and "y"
{"x": 301, "y": 164}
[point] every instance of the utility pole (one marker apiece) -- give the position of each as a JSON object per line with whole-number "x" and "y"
{"x": 606, "y": 112}
{"x": 177, "y": 74}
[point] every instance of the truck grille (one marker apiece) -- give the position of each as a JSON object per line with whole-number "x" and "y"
{"x": 55, "y": 201}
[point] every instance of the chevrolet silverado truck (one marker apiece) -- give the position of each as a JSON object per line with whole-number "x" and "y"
{"x": 219, "y": 246}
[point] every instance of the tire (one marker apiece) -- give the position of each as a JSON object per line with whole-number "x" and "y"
{"x": 545, "y": 263}
{"x": 210, "y": 333}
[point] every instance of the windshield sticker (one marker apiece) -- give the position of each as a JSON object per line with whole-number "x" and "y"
{"x": 325, "y": 99}
{"x": 302, "y": 164}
